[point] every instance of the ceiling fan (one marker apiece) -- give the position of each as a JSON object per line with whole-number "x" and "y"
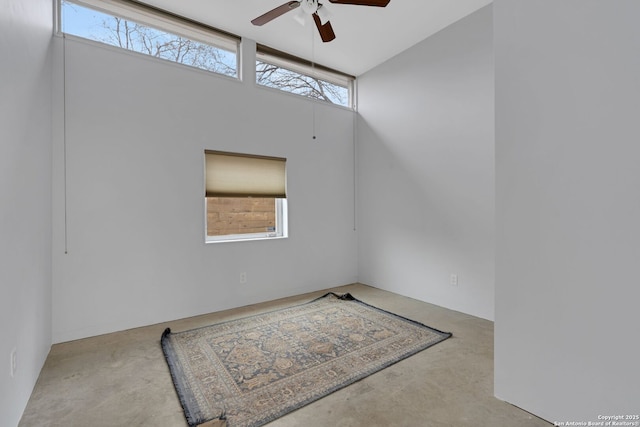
{"x": 317, "y": 11}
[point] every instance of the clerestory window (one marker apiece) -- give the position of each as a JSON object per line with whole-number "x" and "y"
{"x": 288, "y": 73}
{"x": 152, "y": 32}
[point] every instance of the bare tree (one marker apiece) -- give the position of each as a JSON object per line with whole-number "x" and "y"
{"x": 301, "y": 84}
{"x": 140, "y": 38}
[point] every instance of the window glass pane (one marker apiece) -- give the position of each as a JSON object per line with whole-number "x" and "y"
{"x": 116, "y": 31}
{"x": 240, "y": 215}
{"x": 301, "y": 84}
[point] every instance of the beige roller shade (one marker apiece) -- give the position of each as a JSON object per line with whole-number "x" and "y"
{"x": 241, "y": 175}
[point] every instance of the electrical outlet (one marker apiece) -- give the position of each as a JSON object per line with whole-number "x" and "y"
{"x": 243, "y": 277}
{"x": 14, "y": 362}
{"x": 453, "y": 280}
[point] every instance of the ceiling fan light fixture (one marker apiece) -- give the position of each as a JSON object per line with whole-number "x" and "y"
{"x": 323, "y": 14}
{"x": 316, "y": 10}
{"x": 309, "y": 6}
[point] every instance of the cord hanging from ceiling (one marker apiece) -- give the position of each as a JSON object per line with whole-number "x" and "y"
{"x": 313, "y": 74}
{"x": 64, "y": 137}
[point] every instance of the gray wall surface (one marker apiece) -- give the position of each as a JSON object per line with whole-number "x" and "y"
{"x": 136, "y": 131}
{"x": 25, "y": 198}
{"x": 568, "y": 207}
{"x": 426, "y": 169}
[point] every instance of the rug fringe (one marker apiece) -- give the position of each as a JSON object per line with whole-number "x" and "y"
{"x": 221, "y": 421}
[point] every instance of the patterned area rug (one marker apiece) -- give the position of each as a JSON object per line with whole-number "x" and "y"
{"x": 253, "y": 370}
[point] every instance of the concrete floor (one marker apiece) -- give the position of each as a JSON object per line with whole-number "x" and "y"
{"x": 122, "y": 379}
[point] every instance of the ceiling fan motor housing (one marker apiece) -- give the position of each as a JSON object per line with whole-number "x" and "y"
{"x": 309, "y": 6}
{"x": 317, "y": 10}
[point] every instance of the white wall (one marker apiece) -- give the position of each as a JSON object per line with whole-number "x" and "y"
{"x": 25, "y": 198}
{"x": 136, "y": 133}
{"x": 568, "y": 207}
{"x": 426, "y": 169}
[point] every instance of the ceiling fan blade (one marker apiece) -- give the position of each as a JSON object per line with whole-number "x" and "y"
{"x": 274, "y": 13}
{"x": 379, "y": 3}
{"x": 326, "y": 30}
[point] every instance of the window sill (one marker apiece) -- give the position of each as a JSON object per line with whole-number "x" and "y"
{"x": 247, "y": 239}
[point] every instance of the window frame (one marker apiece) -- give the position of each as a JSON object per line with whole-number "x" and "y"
{"x": 281, "y": 204}
{"x": 159, "y": 20}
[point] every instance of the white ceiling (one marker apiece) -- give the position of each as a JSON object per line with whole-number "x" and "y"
{"x": 365, "y": 36}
